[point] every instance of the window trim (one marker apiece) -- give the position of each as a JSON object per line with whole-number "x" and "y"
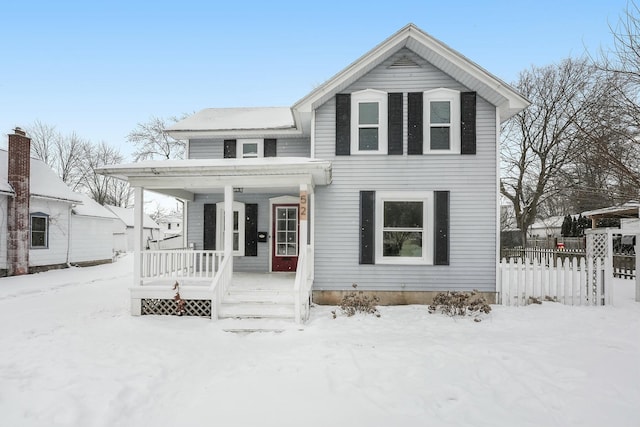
{"x": 370, "y": 95}
{"x": 46, "y": 230}
{"x": 242, "y": 142}
{"x": 237, "y": 207}
{"x": 426, "y": 197}
{"x": 453, "y": 97}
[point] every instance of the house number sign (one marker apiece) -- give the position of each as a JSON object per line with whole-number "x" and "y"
{"x": 303, "y": 206}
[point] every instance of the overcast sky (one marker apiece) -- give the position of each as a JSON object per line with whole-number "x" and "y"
{"x": 99, "y": 67}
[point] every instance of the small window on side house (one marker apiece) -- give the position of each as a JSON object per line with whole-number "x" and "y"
{"x": 251, "y": 148}
{"x": 39, "y": 231}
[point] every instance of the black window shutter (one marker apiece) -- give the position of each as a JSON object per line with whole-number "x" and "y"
{"x": 209, "y": 238}
{"x": 367, "y": 227}
{"x": 394, "y": 126}
{"x": 441, "y": 228}
{"x": 229, "y": 148}
{"x": 270, "y": 147}
{"x": 251, "y": 229}
{"x": 468, "y": 123}
{"x": 415, "y": 125}
{"x": 343, "y": 124}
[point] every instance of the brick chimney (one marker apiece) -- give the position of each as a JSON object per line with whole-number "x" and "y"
{"x": 19, "y": 170}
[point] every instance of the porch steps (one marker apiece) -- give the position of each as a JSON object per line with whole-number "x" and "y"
{"x": 246, "y": 326}
{"x": 259, "y": 297}
{"x": 256, "y": 310}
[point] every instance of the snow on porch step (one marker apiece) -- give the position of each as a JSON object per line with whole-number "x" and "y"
{"x": 258, "y": 325}
{"x": 239, "y": 295}
{"x": 257, "y": 310}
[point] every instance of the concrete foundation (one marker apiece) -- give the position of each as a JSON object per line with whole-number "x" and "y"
{"x": 388, "y": 297}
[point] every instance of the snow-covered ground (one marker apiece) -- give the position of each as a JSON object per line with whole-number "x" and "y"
{"x": 71, "y": 355}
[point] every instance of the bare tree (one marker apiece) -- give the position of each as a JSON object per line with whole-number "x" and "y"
{"x": 542, "y": 140}
{"x": 623, "y": 61}
{"x": 152, "y": 142}
{"x": 103, "y": 189}
{"x": 44, "y": 139}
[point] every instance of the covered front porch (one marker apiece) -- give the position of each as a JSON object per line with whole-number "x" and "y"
{"x": 262, "y": 269}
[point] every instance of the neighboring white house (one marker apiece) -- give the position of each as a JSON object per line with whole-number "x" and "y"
{"x": 91, "y": 232}
{"x": 123, "y": 230}
{"x": 43, "y": 223}
{"x": 548, "y": 227}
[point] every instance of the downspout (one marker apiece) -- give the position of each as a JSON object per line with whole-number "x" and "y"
{"x": 69, "y": 235}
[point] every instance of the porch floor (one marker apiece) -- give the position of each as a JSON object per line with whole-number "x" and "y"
{"x": 267, "y": 281}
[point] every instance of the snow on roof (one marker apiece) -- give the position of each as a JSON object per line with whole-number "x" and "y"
{"x": 43, "y": 181}
{"x": 252, "y": 118}
{"x": 631, "y": 209}
{"x": 5, "y": 187}
{"x": 126, "y": 215}
{"x": 90, "y": 207}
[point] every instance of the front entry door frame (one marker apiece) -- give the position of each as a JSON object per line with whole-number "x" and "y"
{"x": 281, "y": 200}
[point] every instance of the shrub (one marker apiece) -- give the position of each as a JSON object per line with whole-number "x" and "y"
{"x": 455, "y": 303}
{"x": 357, "y": 302}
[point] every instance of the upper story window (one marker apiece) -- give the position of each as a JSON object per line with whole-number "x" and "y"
{"x": 369, "y": 122}
{"x": 250, "y": 148}
{"x": 442, "y": 121}
{"x": 39, "y": 226}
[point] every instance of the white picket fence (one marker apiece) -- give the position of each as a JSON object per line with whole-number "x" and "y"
{"x": 572, "y": 282}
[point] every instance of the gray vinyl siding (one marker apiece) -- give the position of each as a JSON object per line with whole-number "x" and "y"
{"x": 195, "y": 231}
{"x": 213, "y": 148}
{"x": 470, "y": 179}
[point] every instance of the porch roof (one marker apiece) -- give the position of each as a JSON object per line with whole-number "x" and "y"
{"x": 631, "y": 209}
{"x": 183, "y": 178}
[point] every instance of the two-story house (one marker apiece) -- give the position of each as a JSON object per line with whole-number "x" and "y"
{"x": 385, "y": 176}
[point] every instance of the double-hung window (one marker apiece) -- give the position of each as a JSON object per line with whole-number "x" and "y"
{"x": 369, "y": 122}
{"x": 404, "y": 231}
{"x": 39, "y": 226}
{"x": 442, "y": 121}
{"x": 238, "y": 227}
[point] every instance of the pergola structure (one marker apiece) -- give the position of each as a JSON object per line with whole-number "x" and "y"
{"x": 630, "y": 209}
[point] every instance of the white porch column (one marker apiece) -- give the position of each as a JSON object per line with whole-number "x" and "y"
{"x": 228, "y": 222}
{"x": 306, "y": 218}
{"x": 138, "y": 227}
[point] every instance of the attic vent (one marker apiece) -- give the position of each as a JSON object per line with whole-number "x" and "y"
{"x": 404, "y": 62}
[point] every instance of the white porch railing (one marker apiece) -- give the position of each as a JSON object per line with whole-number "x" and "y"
{"x": 182, "y": 264}
{"x": 574, "y": 282}
{"x": 302, "y": 285}
{"x": 220, "y": 284}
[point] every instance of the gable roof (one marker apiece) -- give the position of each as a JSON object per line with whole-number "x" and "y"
{"x": 224, "y": 120}
{"x": 126, "y": 215}
{"x": 467, "y": 72}
{"x": 43, "y": 182}
{"x": 90, "y": 207}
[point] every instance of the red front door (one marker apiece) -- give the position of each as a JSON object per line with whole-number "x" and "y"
{"x": 284, "y": 240}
